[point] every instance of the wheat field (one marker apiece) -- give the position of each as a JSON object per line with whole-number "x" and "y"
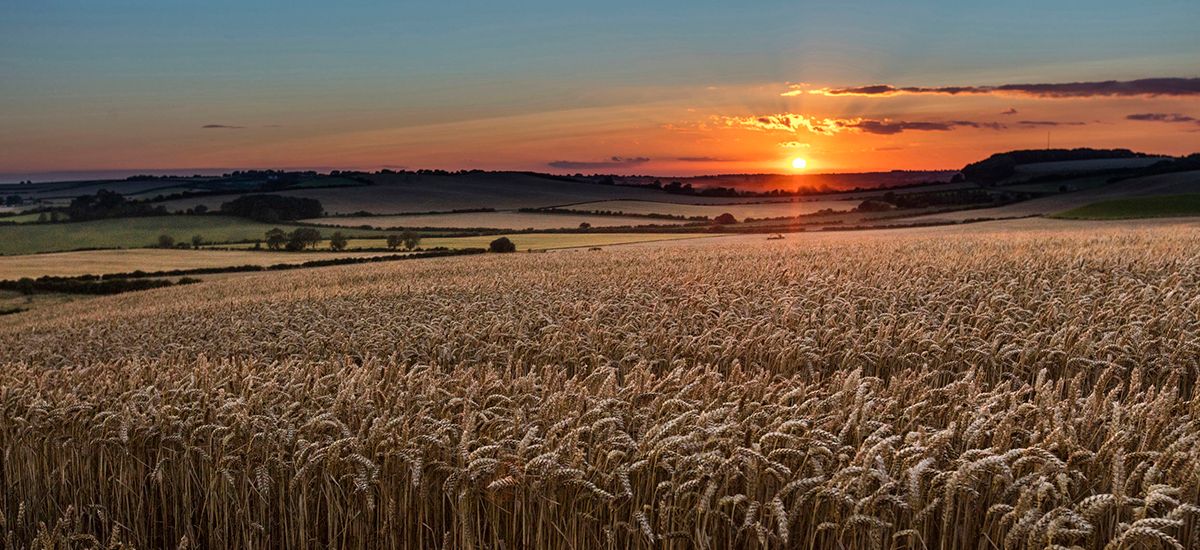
{"x": 993, "y": 390}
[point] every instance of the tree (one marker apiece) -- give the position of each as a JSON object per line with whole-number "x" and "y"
{"x": 201, "y": 209}
{"x": 197, "y": 240}
{"x": 585, "y": 225}
{"x": 725, "y": 219}
{"x": 304, "y": 237}
{"x": 166, "y": 241}
{"x": 393, "y": 241}
{"x": 338, "y": 241}
{"x": 276, "y": 239}
{"x": 502, "y": 245}
{"x": 411, "y": 239}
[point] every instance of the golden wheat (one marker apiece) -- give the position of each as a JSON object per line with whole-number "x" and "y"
{"x": 860, "y": 391}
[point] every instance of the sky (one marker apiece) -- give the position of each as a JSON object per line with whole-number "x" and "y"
{"x": 669, "y": 87}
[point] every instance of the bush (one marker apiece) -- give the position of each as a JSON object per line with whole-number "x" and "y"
{"x": 338, "y": 241}
{"x": 166, "y": 241}
{"x": 502, "y": 245}
{"x": 725, "y": 219}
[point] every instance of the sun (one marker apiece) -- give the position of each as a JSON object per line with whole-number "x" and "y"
{"x": 799, "y": 163}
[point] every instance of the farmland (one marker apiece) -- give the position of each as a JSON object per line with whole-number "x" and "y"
{"x": 101, "y": 262}
{"x": 525, "y": 241}
{"x": 1137, "y": 207}
{"x": 1029, "y": 383}
{"x": 493, "y": 220}
{"x": 132, "y": 233}
{"x": 776, "y": 209}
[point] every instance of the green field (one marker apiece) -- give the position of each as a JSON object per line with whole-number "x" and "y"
{"x": 135, "y": 233}
{"x": 1161, "y": 206}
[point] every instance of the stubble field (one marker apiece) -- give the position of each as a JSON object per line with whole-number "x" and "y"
{"x": 999, "y": 389}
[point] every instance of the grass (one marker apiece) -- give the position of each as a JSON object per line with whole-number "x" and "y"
{"x": 891, "y": 391}
{"x": 133, "y": 233}
{"x": 101, "y": 262}
{"x": 1160, "y": 206}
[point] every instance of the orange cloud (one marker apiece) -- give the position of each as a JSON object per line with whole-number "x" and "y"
{"x": 791, "y": 122}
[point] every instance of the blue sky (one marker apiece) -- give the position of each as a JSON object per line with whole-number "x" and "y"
{"x": 78, "y": 73}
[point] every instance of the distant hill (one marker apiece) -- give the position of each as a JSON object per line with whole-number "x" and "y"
{"x": 1002, "y": 166}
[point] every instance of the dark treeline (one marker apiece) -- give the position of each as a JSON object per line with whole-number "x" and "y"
{"x": 273, "y": 208}
{"x": 108, "y": 204}
{"x": 552, "y": 210}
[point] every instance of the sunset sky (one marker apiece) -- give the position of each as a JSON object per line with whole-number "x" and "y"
{"x": 672, "y": 88}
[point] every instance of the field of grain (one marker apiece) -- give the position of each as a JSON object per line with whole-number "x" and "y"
{"x": 493, "y": 220}
{"x": 101, "y": 262}
{"x": 133, "y": 233}
{"x": 1000, "y": 389}
{"x": 739, "y": 211}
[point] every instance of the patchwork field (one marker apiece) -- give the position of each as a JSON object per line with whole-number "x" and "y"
{"x": 527, "y": 241}
{"x": 1165, "y": 184}
{"x": 1029, "y": 385}
{"x": 493, "y": 220}
{"x": 740, "y": 211}
{"x": 101, "y": 262}
{"x": 133, "y": 233}
{"x": 412, "y": 193}
{"x": 1067, "y": 166}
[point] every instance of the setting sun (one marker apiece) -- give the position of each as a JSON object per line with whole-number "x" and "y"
{"x": 799, "y": 163}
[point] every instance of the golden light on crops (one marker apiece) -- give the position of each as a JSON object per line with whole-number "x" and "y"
{"x": 799, "y": 163}
{"x": 816, "y": 401}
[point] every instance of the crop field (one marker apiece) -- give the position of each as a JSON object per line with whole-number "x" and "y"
{"x": 739, "y": 211}
{"x": 524, "y": 241}
{"x": 101, "y": 262}
{"x": 1137, "y": 207}
{"x": 413, "y": 193}
{"x": 1038, "y": 168}
{"x": 897, "y": 390}
{"x": 132, "y": 233}
{"x": 494, "y": 220}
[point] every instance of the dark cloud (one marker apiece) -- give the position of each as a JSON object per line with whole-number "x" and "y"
{"x": 1162, "y": 117}
{"x": 221, "y": 127}
{"x": 890, "y": 127}
{"x": 700, "y": 159}
{"x": 1109, "y": 88}
{"x": 1049, "y": 123}
{"x": 612, "y": 162}
{"x": 1009, "y": 111}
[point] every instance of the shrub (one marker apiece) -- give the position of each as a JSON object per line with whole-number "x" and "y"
{"x": 502, "y": 245}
